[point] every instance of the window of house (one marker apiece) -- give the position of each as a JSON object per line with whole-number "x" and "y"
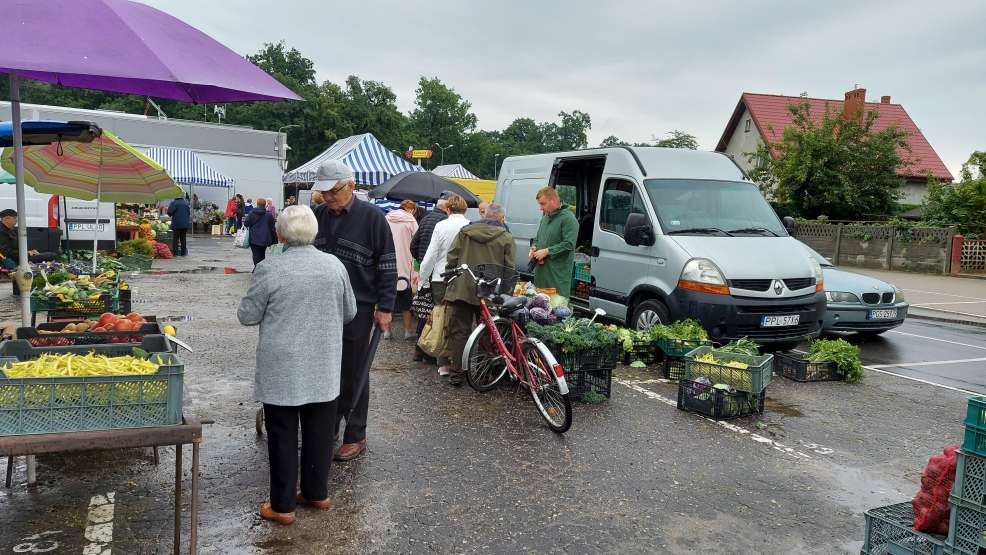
{"x": 620, "y": 199}
{"x": 746, "y": 129}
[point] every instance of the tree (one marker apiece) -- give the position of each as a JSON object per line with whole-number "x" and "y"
{"x": 963, "y": 203}
{"x": 833, "y": 166}
{"x": 612, "y": 140}
{"x": 440, "y": 115}
{"x": 572, "y": 133}
{"x": 678, "y": 139}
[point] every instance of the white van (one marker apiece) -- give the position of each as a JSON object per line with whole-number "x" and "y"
{"x": 672, "y": 234}
{"x": 75, "y": 218}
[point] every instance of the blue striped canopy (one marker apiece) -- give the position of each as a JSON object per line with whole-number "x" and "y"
{"x": 186, "y": 168}
{"x": 454, "y": 170}
{"x": 372, "y": 163}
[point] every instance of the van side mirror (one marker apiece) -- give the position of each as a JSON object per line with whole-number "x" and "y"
{"x": 638, "y": 231}
{"x": 790, "y": 225}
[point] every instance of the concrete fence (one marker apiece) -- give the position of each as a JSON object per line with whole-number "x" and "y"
{"x": 912, "y": 249}
{"x": 969, "y": 256}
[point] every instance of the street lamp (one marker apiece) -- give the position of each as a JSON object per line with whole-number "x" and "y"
{"x": 495, "y": 156}
{"x": 443, "y": 151}
{"x": 277, "y": 149}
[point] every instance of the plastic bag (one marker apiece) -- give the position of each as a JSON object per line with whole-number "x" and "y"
{"x": 242, "y": 238}
{"x": 931, "y": 510}
{"x": 432, "y": 340}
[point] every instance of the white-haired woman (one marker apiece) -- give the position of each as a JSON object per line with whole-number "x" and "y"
{"x": 301, "y": 298}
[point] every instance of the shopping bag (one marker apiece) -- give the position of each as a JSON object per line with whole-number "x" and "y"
{"x": 242, "y": 238}
{"x": 432, "y": 340}
{"x": 422, "y": 303}
{"x": 277, "y": 249}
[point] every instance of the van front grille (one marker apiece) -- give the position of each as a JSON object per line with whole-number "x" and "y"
{"x": 782, "y": 309}
{"x": 799, "y": 283}
{"x": 751, "y": 284}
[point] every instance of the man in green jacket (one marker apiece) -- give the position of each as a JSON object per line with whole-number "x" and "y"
{"x": 554, "y": 245}
{"x": 484, "y": 242}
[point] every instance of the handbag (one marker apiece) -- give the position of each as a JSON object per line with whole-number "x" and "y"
{"x": 433, "y": 340}
{"x": 423, "y": 303}
{"x": 242, "y": 238}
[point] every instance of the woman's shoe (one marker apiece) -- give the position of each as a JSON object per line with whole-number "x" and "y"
{"x": 322, "y": 505}
{"x": 444, "y": 371}
{"x": 268, "y": 513}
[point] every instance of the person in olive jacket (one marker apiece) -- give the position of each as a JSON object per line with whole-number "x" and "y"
{"x": 484, "y": 242}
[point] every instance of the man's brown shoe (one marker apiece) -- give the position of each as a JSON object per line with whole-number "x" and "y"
{"x": 350, "y": 451}
{"x": 320, "y": 505}
{"x": 268, "y": 513}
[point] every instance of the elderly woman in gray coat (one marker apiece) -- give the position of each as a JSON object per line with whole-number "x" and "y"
{"x": 301, "y": 300}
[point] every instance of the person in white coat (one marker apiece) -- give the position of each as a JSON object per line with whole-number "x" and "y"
{"x": 433, "y": 265}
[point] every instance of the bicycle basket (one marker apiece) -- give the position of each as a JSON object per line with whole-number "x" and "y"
{"x": 497, "y": 279}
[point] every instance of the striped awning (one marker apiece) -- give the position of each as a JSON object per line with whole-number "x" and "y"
{"x": 185, "y": 167}
{"x": 454, "y": 170}
{"x": 372, "y": 163}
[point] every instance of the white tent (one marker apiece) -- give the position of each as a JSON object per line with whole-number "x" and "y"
{"x": 454, "y": 170}
{"x": 372, "y": 163}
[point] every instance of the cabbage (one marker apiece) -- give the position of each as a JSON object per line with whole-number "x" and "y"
{"x": 541, "y": 301}
{"x": 521, "y": 316}
{"x": 562, "y": 312}
{"x": 540, "y": 314}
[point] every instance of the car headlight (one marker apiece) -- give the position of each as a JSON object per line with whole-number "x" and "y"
{"x": 899, "y": 295}
{"x": 701, "y": 274}
{"x": 841, "y": 297}
{"x": 816, "y": 269}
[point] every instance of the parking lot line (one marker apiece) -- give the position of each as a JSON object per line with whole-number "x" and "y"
{"x": 942, "y": 294}
{"x": 930, "y": 363}
{"x": 777, "y": 446}
{"x": 959, "y": 389}
{"x": 938, "y": 339}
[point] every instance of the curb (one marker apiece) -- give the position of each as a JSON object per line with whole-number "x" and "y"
{"x": 945, "y": 319}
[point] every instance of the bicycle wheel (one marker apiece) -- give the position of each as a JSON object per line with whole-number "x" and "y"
{"x": 482, "y": 360}
{"x": 553, "y": 405}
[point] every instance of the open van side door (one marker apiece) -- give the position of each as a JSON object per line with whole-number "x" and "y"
{"x": 618, "y": 267}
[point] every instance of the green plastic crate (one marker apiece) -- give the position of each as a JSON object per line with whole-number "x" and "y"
{"x": 970, "y": 479}
{"x": 680, "y": 347}
{"x": 753, "y": 379}
{"x": 51, "y": 405}
{"x": 975, "y": 440}
{"x": 137, "y": 262}
{"x": 966, "y": 527}
{"x": 975, "y": 414}
{"x": 107, "y": 302}
{"x": 583, "y": 272}
{"x": 890, "y": 530}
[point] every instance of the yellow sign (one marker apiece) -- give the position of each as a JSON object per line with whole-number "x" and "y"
{"x": 421, "y": 154}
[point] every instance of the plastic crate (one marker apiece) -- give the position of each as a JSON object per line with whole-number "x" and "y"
{"x": 795, "y": 367}
{"x": 970, "y": 479}
{"x": 164, "y": 237}
{"x": 975, "y": 440}
{"x": 21, "y": 349}
{"x": 583, "y": 272}
{"x": 976, "y": 412}
{"x": 126, "y": 301}
{"x": 718, "y": 404}
{"x": 673, "y": 367}
{"x": 587, "y": 370}
{"x": 37, "y": 339}
{"x": 51, "y": 405}
{"x": 753, "y": 379}
{"x": 137, "y": 262}
{"x": 107, "y": 302}
{"x": 966, "y": 527}
{"x": 644, "y": 351}
{"x": 890, "y": 530}
{"x": 679, "y": 347}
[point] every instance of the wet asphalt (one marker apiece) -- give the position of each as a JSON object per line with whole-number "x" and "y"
{"x": 452, "y": 471}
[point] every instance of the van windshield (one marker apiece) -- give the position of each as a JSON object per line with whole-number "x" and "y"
{"x": 714, "y": 208}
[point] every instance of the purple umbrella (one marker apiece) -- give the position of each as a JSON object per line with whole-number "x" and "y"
{"x": 117, "y": 46}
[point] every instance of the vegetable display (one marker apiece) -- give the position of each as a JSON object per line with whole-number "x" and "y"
{"x": 840, "y": 352}
{"x": 574, "y": 334}
{"x": 682, "y": 330}
{"x": 742, "y": 346}
{"x": 76, "y": 289}
{"x": 711, "y": 359}
{"x": 75, "y": 365}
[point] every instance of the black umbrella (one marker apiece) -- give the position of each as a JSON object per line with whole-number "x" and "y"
{"x": 422, "y": 187}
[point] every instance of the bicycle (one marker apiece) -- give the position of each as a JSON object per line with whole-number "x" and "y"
{"x": 500, "y": 347}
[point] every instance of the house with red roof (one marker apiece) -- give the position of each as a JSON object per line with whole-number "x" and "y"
{"x": 763, "y": 117}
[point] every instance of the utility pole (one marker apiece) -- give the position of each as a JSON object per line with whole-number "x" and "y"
{"x": 495, "y": 156}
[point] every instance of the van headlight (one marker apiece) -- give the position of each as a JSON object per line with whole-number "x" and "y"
{"x": 702, "y": 275}
{"x": 816, "y": 269}
{"x": 841, "y": 297}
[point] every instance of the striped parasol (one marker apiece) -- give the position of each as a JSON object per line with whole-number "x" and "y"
{"x": 107, "y": 168}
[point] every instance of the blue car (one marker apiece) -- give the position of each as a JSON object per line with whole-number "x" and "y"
{"x": 859, "y": 303}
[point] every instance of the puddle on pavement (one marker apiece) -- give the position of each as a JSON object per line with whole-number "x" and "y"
{"x": 782, "y": 408}
{"x": 200, "y": 270}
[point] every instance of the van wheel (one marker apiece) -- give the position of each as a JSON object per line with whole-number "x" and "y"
{"x": 649, "y": 313}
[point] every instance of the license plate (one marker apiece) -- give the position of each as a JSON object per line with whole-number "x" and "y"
{"x": 86, "y": 227}
{"x": 780, "y": 321}
{"x": 883, "y": 314}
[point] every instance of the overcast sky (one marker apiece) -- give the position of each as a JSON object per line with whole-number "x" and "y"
{"x": 639, "y": 68}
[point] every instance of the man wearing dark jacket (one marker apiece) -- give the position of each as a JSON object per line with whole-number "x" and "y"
{"x": 484, "y": 242}
{"x": 260, "y": 222}
{"x": 181, "y": 220}
{"x": 358, "y": 234}
{"x": 426, "y": 227}
{"x": 8, "y": 239}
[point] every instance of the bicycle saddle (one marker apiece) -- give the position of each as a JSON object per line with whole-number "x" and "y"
{"x": 512, "y": 304}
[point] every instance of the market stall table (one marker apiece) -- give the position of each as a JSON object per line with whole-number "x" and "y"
{"x": 189, "y": 432}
